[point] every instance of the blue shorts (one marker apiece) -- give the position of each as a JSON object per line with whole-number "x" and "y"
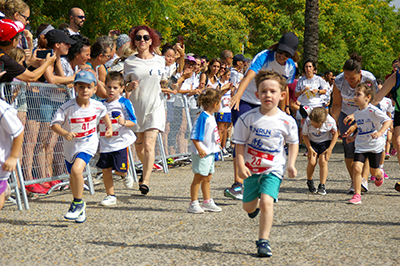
{"x": 244, "y": 107}
{"x": 257, "y": 184}
{"x": 203, "y": 166}
{"x": 84, "y": 156}
{"x": 117, "y": 160}
{"x": 224, "y": 117}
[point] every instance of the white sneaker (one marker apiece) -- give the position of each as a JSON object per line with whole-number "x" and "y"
{"x": 82, "y": 217}
{"x": 211, "y": 206}
{"x": 194, "y": 207}
{"x": 364, "y": 185}
{"x": 351, "y": 189}
{"x": 7, "y": 192}
{"x": 128, "y": 181}
{"x": 109, "y": 200}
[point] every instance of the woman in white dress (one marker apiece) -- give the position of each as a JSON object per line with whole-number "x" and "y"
{"x": 144, "y": 71}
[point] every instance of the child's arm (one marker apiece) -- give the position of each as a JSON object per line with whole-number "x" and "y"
{"x": 349, "y": 131}
{"x": 244, "y": 172}
{"x": 10, "y": 163}
{"x": 202, "y": 153}
{"x": 379, "y": 133}
{"x": 310, "y": 150}
{"x": 125, "y": 122}
{"x": 107, "y": 122}
{"x": 62, "y": 132}
{"x": 293, "y": 151}
{"x": 328, "y": 152}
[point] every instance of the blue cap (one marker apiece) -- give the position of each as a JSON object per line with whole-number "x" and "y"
{"x": 85, "y": 77}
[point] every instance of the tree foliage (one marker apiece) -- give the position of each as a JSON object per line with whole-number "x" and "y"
{"x": 369, "y": 27}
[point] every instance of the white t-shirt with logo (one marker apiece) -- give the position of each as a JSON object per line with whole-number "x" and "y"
{"x": 82, "y": 121}
{"x": 369, "y": 120}
{"x": 205, "y": 130}
{"x": 308, "y": 98}
{"x": 122, "y": 136}
{"x": 225, "y": 99}
{"x": 10, "y": 126}
{"x": 319, "y": 135}
{"x": 264, "y": 138}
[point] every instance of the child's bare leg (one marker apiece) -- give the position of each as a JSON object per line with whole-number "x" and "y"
{"x": 205, "y": 187}
{"x": 312, "y": 161}
{"x": 251, "y": 206}
{"x": 266, "y": 215}
{"x": 76, "y": 178}
{"x": 194, "y": 188}
{"x": 357, "y": 170}
{"x": 120, "y": 173}
{"x": 108, "y": 181}
{"x": 376, "y": 172}
{"x": 323, "y": 169}
{"x": 2, "y": 200}
{"x": 365, "y": 170}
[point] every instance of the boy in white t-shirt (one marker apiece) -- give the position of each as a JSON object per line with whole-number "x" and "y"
{"x": 320, "y": 135}
{"x": 259, "y": 136}
{"x": 10, "y": 127}
{"x": 114, "y": 151}
{"x": 76, "y": 120}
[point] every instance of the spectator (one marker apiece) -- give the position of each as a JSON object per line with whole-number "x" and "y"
{"x": 76, "y": 20}
{"x": 227, "y": 58}
{"x": 78, "y": 55}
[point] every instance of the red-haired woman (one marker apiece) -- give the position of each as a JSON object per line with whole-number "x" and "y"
{"x": 144, "y": 72}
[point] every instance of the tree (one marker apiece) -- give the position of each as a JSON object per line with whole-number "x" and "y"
{"x": 311, "y": 31}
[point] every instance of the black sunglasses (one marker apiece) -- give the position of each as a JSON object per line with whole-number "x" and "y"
{"x": 80, "y": 17}
{"x": 145, "y": 38}
{"x": 25, "y": 17}
{"x": 285, "y": 53}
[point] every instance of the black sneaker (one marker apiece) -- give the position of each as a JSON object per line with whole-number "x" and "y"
{"x": 263, "y": 248}
{"x": 321, "y": 189}
{"x": 311, "y": 187}
{"x": 254, "y": 214}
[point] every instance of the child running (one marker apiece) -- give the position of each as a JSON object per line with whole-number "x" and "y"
{"x": 371, "y": 124}
{"x": 320, "y": 136}
{"x": 259, "y": 136}
{"x": 205, "y": 142}
{"x": 76, "y": 120}
{"x": 114, "y": 150}
{"x": 10, "y": 127}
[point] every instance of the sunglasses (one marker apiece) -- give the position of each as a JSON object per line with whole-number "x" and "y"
{"x": 80, "y": 17}
{"x": 138, "y": 38}
{"x": 285, "y": 53}
{"x": 25, "y": 17}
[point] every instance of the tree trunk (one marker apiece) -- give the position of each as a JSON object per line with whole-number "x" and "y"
{"x": 311, "y": 31}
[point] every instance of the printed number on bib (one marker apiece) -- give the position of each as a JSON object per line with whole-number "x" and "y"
{"x": 84, "y": 126}
{"x": 103, "y": 128}
{"x": 258, "y": 161}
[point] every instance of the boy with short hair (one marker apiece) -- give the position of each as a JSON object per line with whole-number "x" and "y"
{"x": 10, "y": 126}
{"x": 76, "y": 120}
{"x": 114, "y": 151}
{"x": 259, "y": 136}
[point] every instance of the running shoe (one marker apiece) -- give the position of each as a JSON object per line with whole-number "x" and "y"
{"x": 397, "y": 186}
{"x": 364, "y": 185}
{"x": 321, "y": 189}
{"x": 109, "y": 200}
{"x": 351, "y": 189}
{"x": 393, "y": 152}
{"x": 225, "y": 153}
{"x": 210, "y": 206}
{"x": 128, "y": 181}
{"x": 75, "y": 210}
{"x": 263, "y": 248}
{"x": 384, "y": 174}
{"x": 235, "y": 191}
{"x": 387, "y": 156}
{"x": 379, "y": 182}
{"x": 81, "y": 218}
{"x": 157, "y": 167}
{"x": 36, "y": 188}
{"x": 254, "y": 214}
{"x": 311, "y": 187}
{"x": 373, "y": 178}
{"x": 194, "y": 207}
{"x": 356, "y": 199}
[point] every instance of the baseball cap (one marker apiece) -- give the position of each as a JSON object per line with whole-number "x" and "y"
{"x": 190, "y": 58}
{"x": 237, "y": 58}
{"x": 9, "y": 28}
{"x": 122, "y": 39}
{"x": 58, "y": 36}
{"x": 85, "y": 77}
{"x": 288, "y": 43}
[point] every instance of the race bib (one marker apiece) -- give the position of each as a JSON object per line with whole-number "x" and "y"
{"x": 309, "y": 94}
{"x": 84, "y": 126}
{"x": 103, "y": 128}
{"x": 216, "y": 136}
{"x": 257, "y": 163}
{"x": 225, "y": 101}
{"x": 349, "y": 101}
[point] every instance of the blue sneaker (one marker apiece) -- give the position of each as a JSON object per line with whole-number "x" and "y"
{"x": 75, "y": 210}
{"x": 263, "y": 248}
{"x": 235, "y": 191}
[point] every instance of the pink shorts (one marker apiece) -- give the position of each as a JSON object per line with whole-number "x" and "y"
{"x": 3, "y": 186}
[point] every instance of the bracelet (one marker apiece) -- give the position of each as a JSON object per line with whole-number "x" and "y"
{"x": 287, "y": 106}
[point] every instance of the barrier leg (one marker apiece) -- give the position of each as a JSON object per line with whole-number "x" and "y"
{"x": 22, "y": 184}
{"x": 132, "y": 170}
{"x": 89, "y": 179}
{"x": 16, "y": 189}
{"x": 162, "y": 151}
